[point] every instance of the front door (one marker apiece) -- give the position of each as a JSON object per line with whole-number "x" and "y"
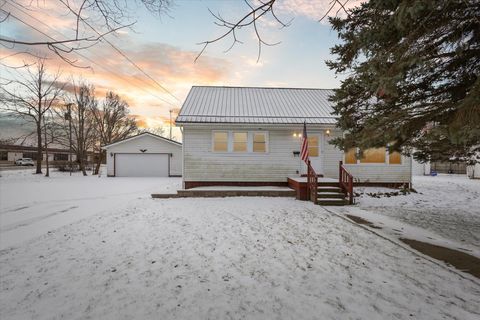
{"x": 315, "y": 152}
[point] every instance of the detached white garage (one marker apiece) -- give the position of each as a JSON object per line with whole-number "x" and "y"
{"x": 144, "y": 155}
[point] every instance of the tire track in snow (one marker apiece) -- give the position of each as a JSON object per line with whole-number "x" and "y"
{"x": 27, "y": 222}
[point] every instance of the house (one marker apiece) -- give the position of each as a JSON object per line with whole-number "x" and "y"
{"x": 9, "y": 153}
{"x": 248, "y": 136}
{"x": 144, "y": 155}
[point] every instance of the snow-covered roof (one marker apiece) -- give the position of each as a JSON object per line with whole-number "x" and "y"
{"x": 141, "y": 135}
{"x": 257, "y": 105}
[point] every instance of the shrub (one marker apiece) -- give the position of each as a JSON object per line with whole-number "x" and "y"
{"x": 64, "y": 166}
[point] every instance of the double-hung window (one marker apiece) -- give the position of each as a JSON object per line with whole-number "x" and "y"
{"x": 240, "y": 141}
{"x": 259, "y": 144}
{"x": 220, "y": 141}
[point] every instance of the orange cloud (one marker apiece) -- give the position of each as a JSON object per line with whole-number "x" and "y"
{"x": 171, "y": 66}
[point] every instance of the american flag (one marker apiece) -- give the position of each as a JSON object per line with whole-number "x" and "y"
{"x": 304, "y": 152}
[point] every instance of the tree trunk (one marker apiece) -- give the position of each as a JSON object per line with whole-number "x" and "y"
{"x": 47, "y": 174}
{"x": 99, "y": 161}
{"x": 81, "y": 162}
{"x": 39, "y": 148}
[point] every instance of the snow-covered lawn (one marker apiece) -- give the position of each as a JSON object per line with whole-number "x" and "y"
{"x": 445, "y": 205}
{"x": 32, "y": 205}
{"x": 229, "y": 258}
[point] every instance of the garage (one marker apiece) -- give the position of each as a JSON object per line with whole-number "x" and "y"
{"x": 144, "y": 155}
{"x": 141, "y": 165}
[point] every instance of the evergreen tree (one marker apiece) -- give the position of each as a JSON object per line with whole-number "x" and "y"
{"x": 413, "y": 76}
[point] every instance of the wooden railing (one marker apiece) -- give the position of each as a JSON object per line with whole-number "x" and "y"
{"x": 345, "y": 179}
{"x": 312, "y": 183}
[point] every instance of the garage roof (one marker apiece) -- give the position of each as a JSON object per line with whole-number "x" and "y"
{"x": 209, "y": 104}
{"x": 141, "y": 135}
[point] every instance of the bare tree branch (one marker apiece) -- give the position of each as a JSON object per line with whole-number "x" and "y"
{"x": 255, "y": 14}
{"x": 108, "y": 16}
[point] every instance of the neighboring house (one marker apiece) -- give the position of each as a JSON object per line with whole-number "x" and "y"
{"x": 9, "y": 153}
{"x": 144, "y": 155}
{"x": 252, "y": 136}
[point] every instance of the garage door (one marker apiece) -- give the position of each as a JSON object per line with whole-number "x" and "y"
{"x": 141, "y": 165}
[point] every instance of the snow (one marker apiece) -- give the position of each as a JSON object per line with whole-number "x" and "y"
{"x": 32, "y": 205}
{"x": 446, "y": 206}
{"x": 212, "y": 258}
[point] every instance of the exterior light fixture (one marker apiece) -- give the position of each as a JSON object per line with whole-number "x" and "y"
{"x": 294, "y": 134}
{"x": 327, "y": 132}
{"x": 111, "y": 154}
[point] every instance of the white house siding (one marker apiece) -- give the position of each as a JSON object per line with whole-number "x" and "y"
{"x": 152, "y": 145}
{"x": 202, "y": 164}
{"x": 14, "y": 156}
{"x": 382, "y": 173}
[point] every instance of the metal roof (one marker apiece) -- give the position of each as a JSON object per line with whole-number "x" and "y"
{"x": 141, "y": 135}
{"x": 257, "y": 105}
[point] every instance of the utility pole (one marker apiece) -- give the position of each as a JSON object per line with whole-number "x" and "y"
{"x": 68, "y": 116}
{"x": 171, "y": 110}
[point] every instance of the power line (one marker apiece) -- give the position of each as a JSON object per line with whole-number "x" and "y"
{"x": 130, "y": 60}
{"x": 83, "y": 56}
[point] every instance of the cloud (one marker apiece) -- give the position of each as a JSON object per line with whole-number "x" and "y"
{"x": 170, "y": 66}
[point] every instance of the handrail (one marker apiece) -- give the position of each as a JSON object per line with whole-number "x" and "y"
{"x": 345, "y": 179}
{"x": 312, "y": 183}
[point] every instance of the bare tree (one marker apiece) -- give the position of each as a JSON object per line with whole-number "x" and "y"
{"x": 80, "y": 104}
{"x": 50, "y": 131}
{"x": 93, "y": 19}
{"x": 257, "y": 10}
{"x": 31, "y": 97}
{"x": 112, "y": 123}
{"x": 158, "y": 130}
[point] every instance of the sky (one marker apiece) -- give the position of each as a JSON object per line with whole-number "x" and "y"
{"x": 165, "y": 48}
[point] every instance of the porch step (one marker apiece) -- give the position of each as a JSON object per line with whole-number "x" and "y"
{"x": 332, "y": 202}
{"x": 329, "y": 189}
{"x": 327, "y": 184}
{"x": 329, "y": 195}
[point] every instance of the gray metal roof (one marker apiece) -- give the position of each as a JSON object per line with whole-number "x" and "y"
{"x": 257, "y": 105}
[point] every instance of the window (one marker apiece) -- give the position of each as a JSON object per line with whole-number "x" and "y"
{"x": 259, "y": 142}
{"x": 394, "y": 157}
{"x": 351, "y": 156}
{"x": 3, "y": 155}
{"x": 220, "y": 141}
{"x": 60, "y": 157}
{"x": 313, "y": 146}
{"x": 31, "y": 155}
{"x": 373, "y": 155}
{"x": 240, "y": 140}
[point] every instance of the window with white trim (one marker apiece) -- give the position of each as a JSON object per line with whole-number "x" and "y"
{"x": 259, "y": 142}
{"x": 220, "y": 141}
{"x": 372, "y": 156}
{"x": 240, "y": 141}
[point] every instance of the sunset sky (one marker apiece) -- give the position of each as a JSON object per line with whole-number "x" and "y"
{"x": 165, "y": 47}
